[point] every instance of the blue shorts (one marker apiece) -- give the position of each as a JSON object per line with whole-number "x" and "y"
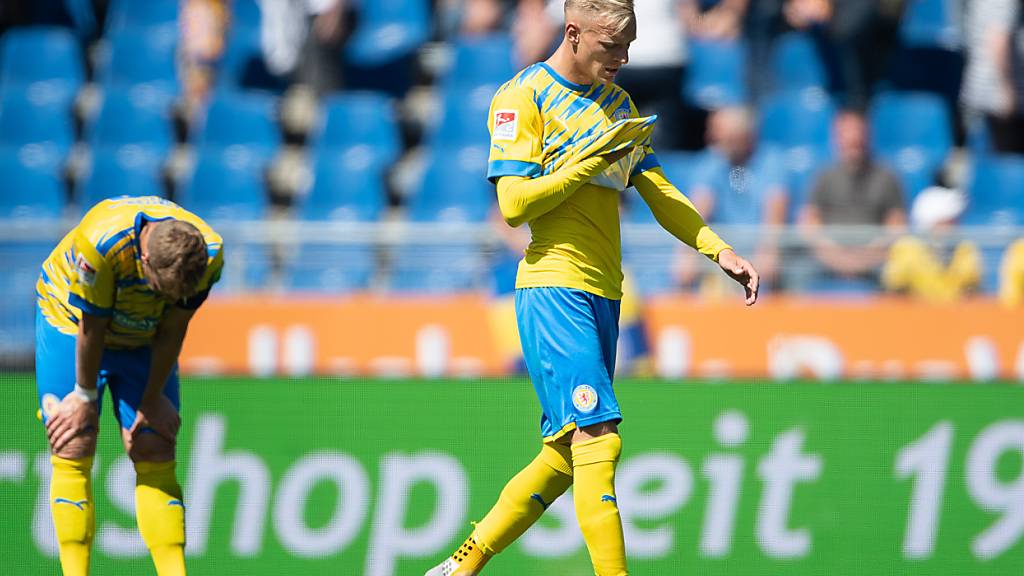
{"x": 125, "y": 372}
{"x": 569, "y": 338}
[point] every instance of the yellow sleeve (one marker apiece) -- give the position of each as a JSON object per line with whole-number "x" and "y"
{"x": 676, "y": 213}
{"x": 517, "y": 134}
{"x": 525, "y": 199}
{"x": 92, "y": 286}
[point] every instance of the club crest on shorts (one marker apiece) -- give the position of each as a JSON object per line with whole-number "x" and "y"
{"x": 506, "y": 124}
{"x": 50, "y": 402}
{"x": 584, "y": 398}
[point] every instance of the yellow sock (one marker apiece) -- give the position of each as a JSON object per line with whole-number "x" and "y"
{"x": 161, "y": 516}
{"x": 521, "y": 503}
{"x": 596, "y": 507}
{"x": 74, "y": 518}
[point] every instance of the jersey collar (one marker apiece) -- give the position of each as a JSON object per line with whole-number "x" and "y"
{"x": 558, "y": 78}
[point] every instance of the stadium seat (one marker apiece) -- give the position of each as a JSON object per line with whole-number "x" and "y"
{"x": 35, "y": 116}
{"x": 348, "y": 185}
{"x": 480, "y": 61}
{"x": 49, "y": 58}
{"x": 142, "y": 57}
{"x": 240, "y": 119}
{"x": 453, "y": 187}
{"x": 930, "y": 23}
{"x": 32, "y": 188}
{"x": 797, "y": 63}
{"x": 136, "y": 118}
{"x": 388, "y": 30}
{"x": 995, "y": 189}
{"x": 364, "y": 119}
{"x": 463, "y": 120}
{"x": 716, "y": 76}
{"x": 913, "y": 133}
{"x": 226, "y": 185}
{"x": 330, "y": 268}
{"x": 796, "y": 119}
{"x": 126, "y": 171}
{"x": 135, "y": 15}
{"x": 245, "y": 14}
{"x": 242, "y": 66}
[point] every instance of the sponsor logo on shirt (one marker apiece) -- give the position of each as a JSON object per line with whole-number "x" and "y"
{"x": 506, "y": 124}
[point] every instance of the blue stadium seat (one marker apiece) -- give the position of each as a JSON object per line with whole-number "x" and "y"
{"x": 930, "y": 23}
{"x": 126, "y": 171}
{"x": 132, "y": 118}
{"x": 245, "y": 14}
{"x": 453, "y": 188}
{"x": 388, "y": 30}
{"x": 359, "y": 119}
{"x": 48, "y": 56}
{"x": 996, "y": 191}
{"x": 913, "y": 133}
{"x": 797, "y": 118}
{"x": 438, "y": 267}
{"x": 36, "y": 117}
{"x": 716, "y": 76}
{"x": 797, "y": 63}
{"x": 679, "y": 167}
{"x": 480, "y": 61}
{"x": 22, "y": 264}
{"x": 226, "y": 185}
{"x": 348, "y": 185}
{"x": 330, "y": 268}
{"x": 240, "y": 119}
{"x": 136, "y": 14}
{"x": 463, "y": 120}
{"x": 32, "y": 188}
{"x": 143, "y": 57}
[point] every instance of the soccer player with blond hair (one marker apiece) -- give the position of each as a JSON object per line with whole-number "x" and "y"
{"x": 565, "y": 142}
{"x": 114, "y": 300}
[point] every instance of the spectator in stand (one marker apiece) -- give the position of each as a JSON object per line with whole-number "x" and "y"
{"x": 739, "y": 184}
{"x": 1011, "y": 275}
{"x": 203, "y": 24}
{"x": 993, "y": 87}
{"x": 929, "y": 267}
{"x": 855, "y": 192}
{"x": 302, "y": 39}
{"x": 471, "y": 17}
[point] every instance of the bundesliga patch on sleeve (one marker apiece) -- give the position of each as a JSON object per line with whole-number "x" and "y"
{"x": 506, "y": 124}
{"x": 86, "y": 273}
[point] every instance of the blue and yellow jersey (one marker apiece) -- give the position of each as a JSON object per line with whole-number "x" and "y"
{"x": 540, "y": 122}
{"x": 96, "y": 268}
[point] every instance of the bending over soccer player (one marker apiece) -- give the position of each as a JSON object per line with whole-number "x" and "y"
{"x": 565, "y": 142}
{"x": 113, "y": 303}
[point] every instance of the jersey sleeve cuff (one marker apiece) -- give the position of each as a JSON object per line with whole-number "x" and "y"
{"x": 498, "y": 168}
{"x": 88, "y": 307}
{"x": 193, "y": 302}
{"x": 650, "y": 162}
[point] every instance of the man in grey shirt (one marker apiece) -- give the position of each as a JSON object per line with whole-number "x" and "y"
{"x": 993, "y": 86}
{"x": 855, "y": 192}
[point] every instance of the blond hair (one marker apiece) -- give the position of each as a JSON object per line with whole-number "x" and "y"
{"x": 618, "y": 12}
{"x": 177, "y": 255}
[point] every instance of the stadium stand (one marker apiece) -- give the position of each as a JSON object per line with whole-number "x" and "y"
{"x": 124, "y": 171}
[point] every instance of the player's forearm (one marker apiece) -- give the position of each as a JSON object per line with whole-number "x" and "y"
{"x": 676, "y": 214}
{"x": 522, "y": 200}
{"x": 92, "y": 331}
{"x": 165, "y": 348}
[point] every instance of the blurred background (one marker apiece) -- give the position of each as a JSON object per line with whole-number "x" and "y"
{"x": 866, "y": 155}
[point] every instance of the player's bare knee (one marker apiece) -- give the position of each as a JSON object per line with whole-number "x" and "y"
{"x": 594, "y": 430}
{"x": 148, "y": 447}
{"x": 81, "y": 446}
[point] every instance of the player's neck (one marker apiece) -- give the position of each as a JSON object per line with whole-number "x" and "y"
{"x": 563, "y": 63}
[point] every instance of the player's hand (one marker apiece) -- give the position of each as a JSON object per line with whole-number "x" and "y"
{"x": 73, "y": 417}
{"x": 158, "y": 415}
{"x": 741, "y": 271}
{"x": 614, "y": 157}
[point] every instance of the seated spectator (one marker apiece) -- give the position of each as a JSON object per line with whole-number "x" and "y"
{"x": 855, "y": 192}
{"x": 929, "y": 267}
{"x": 471, "y": 17}
{"x": 203, "y": 24}
{"x": 741, "y": 185}
{"x": 303, "y": 40}
{"x": 1011, "y": 275}
{"x": 993, "y": 85}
